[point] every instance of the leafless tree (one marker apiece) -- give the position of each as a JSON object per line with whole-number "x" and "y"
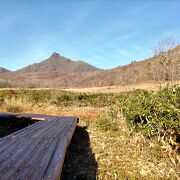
{"x": 168, "y": 60}
{"x": 134, "y": 77}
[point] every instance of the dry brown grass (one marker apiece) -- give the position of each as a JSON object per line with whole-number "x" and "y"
{"x": 121, "y": 154}
{"x": 86, "y": 114}
{"x": 117, "y": 89}
{"x": 124, "y": 155}
{"x": 153, "y": 86}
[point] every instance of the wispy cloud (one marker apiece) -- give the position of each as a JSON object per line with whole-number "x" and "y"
{"x": 123, "y": 52}
{"x": 104, "y": 33}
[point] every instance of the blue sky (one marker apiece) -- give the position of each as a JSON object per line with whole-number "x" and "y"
{"x": 105, "y": 33}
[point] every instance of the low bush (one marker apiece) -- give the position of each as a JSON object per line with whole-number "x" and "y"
{"x": 155, "y": 114}
{"x": 13, "y": 108}
{"x": 109, "y": 120}
{"x": 58, "y": 97}
{"x": 84, "y": 99}
{"x": 2, "y": 98}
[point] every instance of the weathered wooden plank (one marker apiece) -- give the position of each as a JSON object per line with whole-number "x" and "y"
{"x": 57, "y": 129}
{"x": 37, "y": 151}
{"x": 29, "y": 160}
{"x": 10, "y": 160}
{"x": 55, "y": 166}
{"x": 31, "y": 129}
{"x": 12, "y": 168}
{"x": 9, "y": 149}
{"x": 22, "y": 133}
{"x": 41, "y": 167}
{"x": 28, "y": 166}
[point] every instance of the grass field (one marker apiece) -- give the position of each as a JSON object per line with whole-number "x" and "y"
{"x": 105, "y": 143}
{"x": 117, "y": 89}
{"x": 110, "y": 89}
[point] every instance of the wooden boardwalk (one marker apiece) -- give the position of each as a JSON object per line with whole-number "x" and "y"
{"x": 37, "y": 151}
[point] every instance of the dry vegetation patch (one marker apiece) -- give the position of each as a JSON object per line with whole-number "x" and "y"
{"x": 150, "y": 86}
{"x": 124, "y": 155}
{"x": 119, "y": 154}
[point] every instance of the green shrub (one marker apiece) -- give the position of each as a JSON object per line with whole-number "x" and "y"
{"x": 109, "y": 120}
{"x": 84, "y": 99}
{"x": 153, "y": 113}
{"x": 60, "y": 97}
{"x": 107, "y": 124}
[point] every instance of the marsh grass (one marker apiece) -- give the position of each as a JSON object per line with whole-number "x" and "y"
{"x": 122, "y": 152}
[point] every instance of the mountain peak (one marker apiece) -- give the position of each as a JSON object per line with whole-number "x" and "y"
{"x": 57, "y": 63}
{"x": 55, "y": 55}
{"x": 3, "y": 70}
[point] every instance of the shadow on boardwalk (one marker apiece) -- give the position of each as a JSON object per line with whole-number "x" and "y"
{"x": 80, "y": 163}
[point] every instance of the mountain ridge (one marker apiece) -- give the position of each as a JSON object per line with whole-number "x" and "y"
{"x": 4, "y": 70}
{"x": 58, "y": 71}
{"x": 57, "y": 63}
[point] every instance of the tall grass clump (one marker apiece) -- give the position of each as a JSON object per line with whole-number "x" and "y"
{"x": 12, "y": 108}
{"x": 2, "y": 98}
{"x": 109, "y": 120}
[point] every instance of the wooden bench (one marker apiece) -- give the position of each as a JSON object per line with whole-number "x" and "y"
{"x": 37, "y": 151}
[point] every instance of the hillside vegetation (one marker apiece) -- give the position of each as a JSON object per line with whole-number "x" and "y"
{"x": 58, "y": 71}
{"x": 57, "y": 63}
{"x": 3, "y": 70}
